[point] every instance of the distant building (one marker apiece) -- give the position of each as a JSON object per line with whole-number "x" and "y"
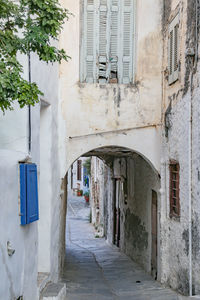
{"x": 78, "y": 177}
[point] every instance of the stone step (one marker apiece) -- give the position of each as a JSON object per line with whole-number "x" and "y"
{"x": 54, "y": 291}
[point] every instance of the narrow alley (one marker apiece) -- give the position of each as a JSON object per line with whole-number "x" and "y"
{"x": 95, "y": 270}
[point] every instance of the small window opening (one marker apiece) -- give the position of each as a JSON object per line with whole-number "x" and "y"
{"x": 102, "y": 72}
{"x": 174, "y": 189}
{"x": 79, "y": 167}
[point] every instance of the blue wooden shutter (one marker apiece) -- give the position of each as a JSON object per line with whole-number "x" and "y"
{"x": 23, "y": 193}
{"x": 32, "y": 193}
{"x": 28, "y": 193}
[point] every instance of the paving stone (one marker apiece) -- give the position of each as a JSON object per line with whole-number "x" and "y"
{"x": 96, "y": 271}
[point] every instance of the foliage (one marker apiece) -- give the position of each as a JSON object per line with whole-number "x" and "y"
{"x": 27, "y": 26}
{"x": 87, "y": 165}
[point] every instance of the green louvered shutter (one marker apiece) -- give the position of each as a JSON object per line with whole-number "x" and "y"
{"x": 107, "y": 47}
{"x": 114, "y": 40}
{"x": 127, "y": 40}
{"x": 89, "y": 41}
{"x": 173, "y": 50}
{"x": 103, "y": 46}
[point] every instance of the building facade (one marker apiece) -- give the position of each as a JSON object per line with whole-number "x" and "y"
{"x": 129, "y": 97}
{"x": 180, "y": 143}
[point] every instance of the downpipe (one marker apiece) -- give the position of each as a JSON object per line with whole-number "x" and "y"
{"x": 190, "y": 113}
{"x": 29, "y": 107}
{"x": 190, "y": 189}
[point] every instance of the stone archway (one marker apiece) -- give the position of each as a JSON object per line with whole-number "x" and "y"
{"x": 129, "y": 172}
{"x": 144, "y": 141}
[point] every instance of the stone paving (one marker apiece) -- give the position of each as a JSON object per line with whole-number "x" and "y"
{"x": 95, "y": 270}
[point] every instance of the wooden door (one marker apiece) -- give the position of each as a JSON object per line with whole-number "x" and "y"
{"x": 116, "y": 214}
{"x": 154, "y": 233}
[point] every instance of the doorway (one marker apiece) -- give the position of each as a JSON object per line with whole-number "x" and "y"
{"x": 116, "y": 213}
{"x": 154, "y": 234}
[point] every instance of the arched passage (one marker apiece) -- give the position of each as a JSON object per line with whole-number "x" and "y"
{"x": 145, "y": 141}
{"x": 125, "y": 192}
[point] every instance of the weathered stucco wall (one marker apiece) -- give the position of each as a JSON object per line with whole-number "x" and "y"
{"x": 181, "y": 143}
{"x": 89, "y": 109}
{"x": 196, "y": 185}
{"x": 142, "y": 179}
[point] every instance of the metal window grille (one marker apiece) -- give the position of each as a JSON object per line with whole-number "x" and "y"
{"x": 174, "y": 189}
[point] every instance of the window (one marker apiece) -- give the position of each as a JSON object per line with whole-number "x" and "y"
{"x": 174, "y": 189}
{"x": 79, "y": 167}
{"x": 173, "y": 64}
{"x": 107, "y": 41}
{"x": 28, "y": 193}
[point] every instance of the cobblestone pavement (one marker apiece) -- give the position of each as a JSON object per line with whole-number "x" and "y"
{"x": 95, "y": 270}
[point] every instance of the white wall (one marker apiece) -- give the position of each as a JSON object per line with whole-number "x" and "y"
{"x": 18, "y": 273}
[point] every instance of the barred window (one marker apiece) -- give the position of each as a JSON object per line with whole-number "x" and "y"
{"x": 174, "y": 189}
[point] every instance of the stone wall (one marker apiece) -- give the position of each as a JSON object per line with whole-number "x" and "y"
{"x": 181, "y": 142}
{"x": 136, "y": 180}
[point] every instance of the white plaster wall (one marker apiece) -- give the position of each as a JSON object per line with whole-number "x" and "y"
{"x": 14, "y": 129}
{"x": 45, "y": 195}
{"x": 18, "y": 273}
{"x": 14, "y": 123}
{"x": 53, "y": 156}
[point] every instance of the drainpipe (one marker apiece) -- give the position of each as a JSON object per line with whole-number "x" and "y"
{"x": 190, "y": 190}
{"x": 190, "y": 153}
{"x": 29, "y": 107}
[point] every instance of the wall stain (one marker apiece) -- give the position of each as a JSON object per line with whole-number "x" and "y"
{"x": 135, "y": 231}
{"x": 117, "y": 96}
{"x": 195, "y": 237}
{"x": 185, "y": 236}
{"x": 183, "y": 282}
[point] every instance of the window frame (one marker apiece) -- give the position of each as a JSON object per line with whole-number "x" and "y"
{"x": 174, "y": 168}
